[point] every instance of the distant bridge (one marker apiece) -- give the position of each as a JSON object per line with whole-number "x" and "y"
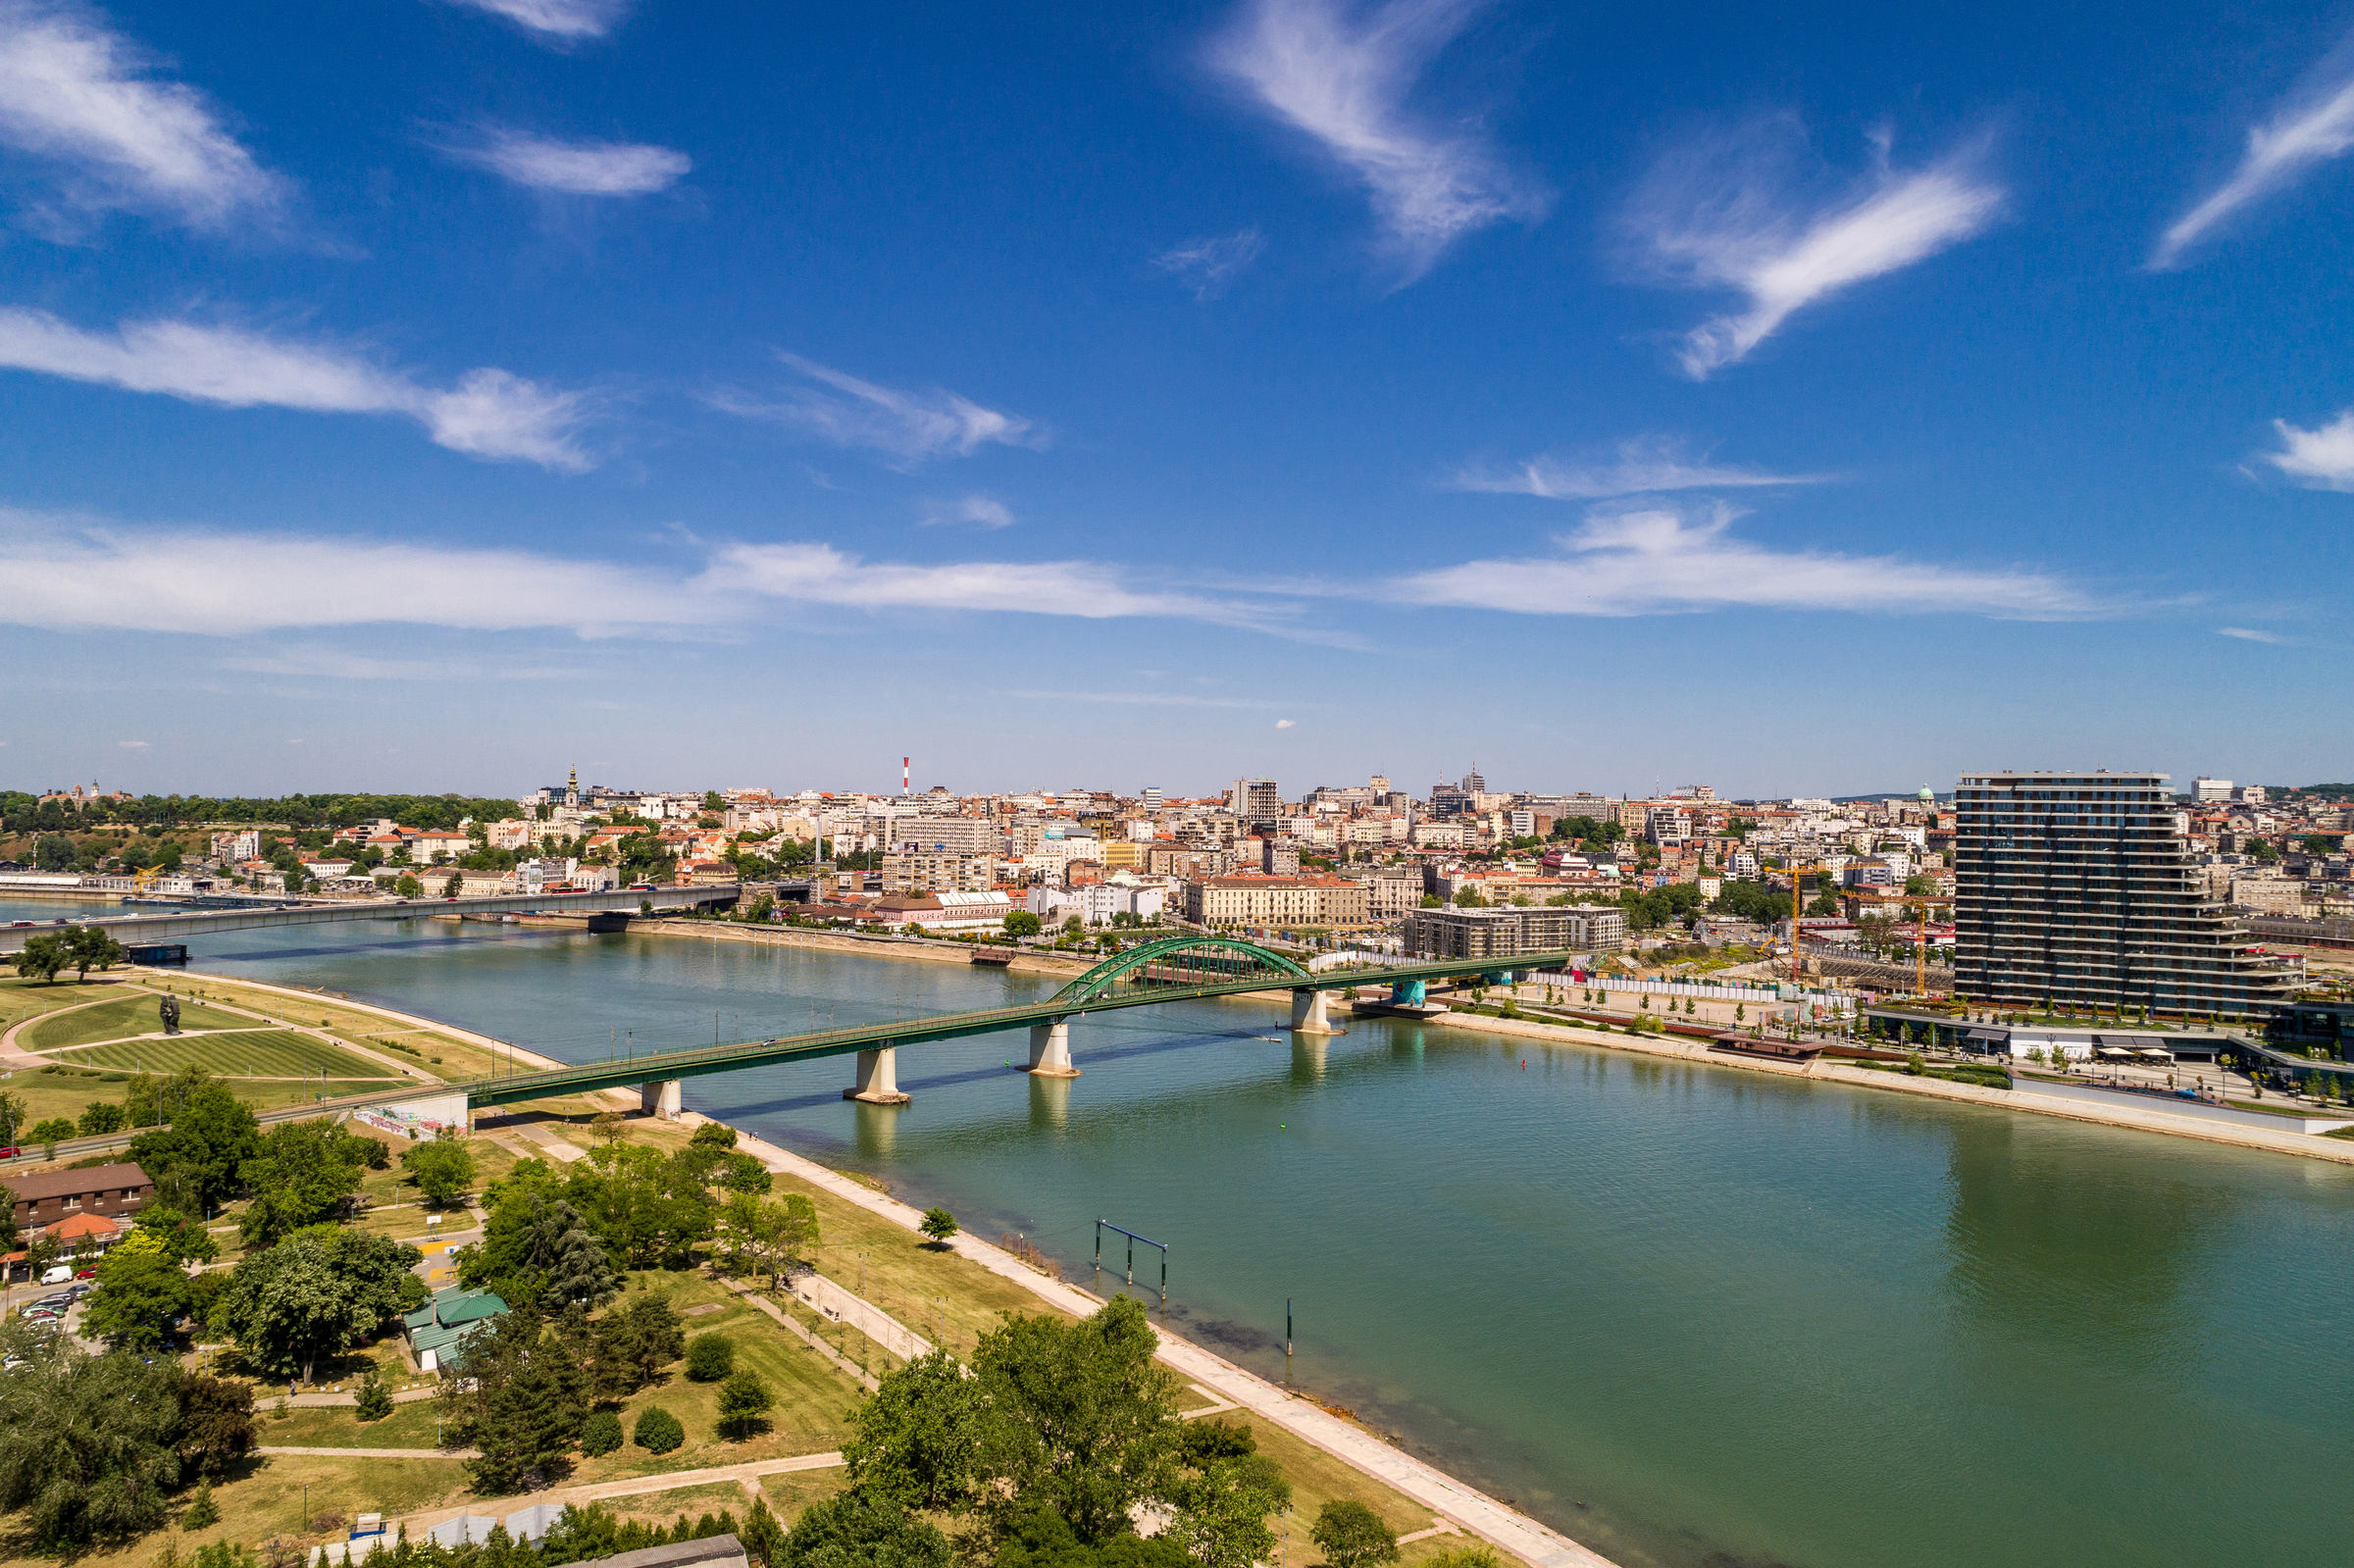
{"x": 1175, "y": 969}
{"x": 171, "y": 925}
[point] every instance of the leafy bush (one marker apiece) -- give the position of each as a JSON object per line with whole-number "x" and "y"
{"x": 600, "y": 1434}
{"x": 375, "y": 1400}
{"x": 710, "y": 1357}
{"x": 658, "y": 1430}
{"x": 744, "y": 1402}
{"x": 202, "y": 1512}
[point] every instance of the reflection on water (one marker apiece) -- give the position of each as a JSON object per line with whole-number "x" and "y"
{"x": 1687, "y": 1313}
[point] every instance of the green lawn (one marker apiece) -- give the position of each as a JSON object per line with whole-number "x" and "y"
{"x": 409, "y": 1426}
{"x": 247, "y": 1053}
{"x": 123, "y": 1016}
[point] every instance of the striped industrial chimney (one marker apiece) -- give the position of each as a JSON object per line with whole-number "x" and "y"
{"x": 906, "y": 771}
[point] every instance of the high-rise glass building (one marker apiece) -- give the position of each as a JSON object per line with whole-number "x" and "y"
{"x": 2078, "y": 888}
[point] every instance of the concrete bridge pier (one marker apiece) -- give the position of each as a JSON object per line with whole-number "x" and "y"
{"x": 1051, "y": 1049}
{"x": 609, "y": 919}
{"x": 1310, "y": 1015}
{"x": 659, "y": 1099}
{"x": 878, "y": 1080}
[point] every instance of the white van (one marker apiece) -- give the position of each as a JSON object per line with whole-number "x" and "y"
{"x": 63, "y": 1274}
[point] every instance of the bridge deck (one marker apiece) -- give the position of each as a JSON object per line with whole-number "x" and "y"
{"x": 710, "y": 1059}
{"x": 147, "y": 928}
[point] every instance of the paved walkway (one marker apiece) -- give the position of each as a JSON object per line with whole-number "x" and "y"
{"x": 1828, "y": 1070}
{"x": 747, "y": 1475}
{"x": 378, "y": 1453}
{"x": 793, "y": 1325}
{"x": 1469, "y": 1509}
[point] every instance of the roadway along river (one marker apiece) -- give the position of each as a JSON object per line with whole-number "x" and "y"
{"x": 1690, "y": 1315}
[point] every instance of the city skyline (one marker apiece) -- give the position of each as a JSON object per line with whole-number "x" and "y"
{"x": 1805, "y": 405}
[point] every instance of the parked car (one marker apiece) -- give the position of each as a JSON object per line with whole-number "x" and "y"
{"x": 57, "y": 1274}
{"x": 61, "y": 1301}
{"x": 85, "y": 1274}
{"x": 83, "y": 1288}
{"x": 39, "y": 1314}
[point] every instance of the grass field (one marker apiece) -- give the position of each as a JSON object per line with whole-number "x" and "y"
{"x": 20, "y": 1000}
{"x": 125, "y": 1016}
{"x": 246, "y": 1053}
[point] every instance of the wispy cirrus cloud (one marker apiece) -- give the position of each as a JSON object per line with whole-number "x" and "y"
{"x": 2321, "y": 459}
{"x": 1343, "y": 74}
{"x": 88, "y": 105}
{"x": 558, "y": 20}
{"x": 69, "y": 574}
{"x": 327, "y": 662}
{"x": 1662, "y": 561}
{"x": 2244, "y": 635}
{"x": 983, "y": 511}
{"x": 2312, "y": 125}
{"x": 1645, "y": 466}
{"x": 1141, "y": 699}
{"x": 823, "y": 575}
{"x": 575, "y": 168}
{"x": 1726, "y": 213}
{"x": 489, "y": 413}
{"x": 906, "y": 427}
{"x": 1206, "y": 266}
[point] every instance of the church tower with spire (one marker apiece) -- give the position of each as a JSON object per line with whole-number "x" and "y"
{"x": 572, "y": 788}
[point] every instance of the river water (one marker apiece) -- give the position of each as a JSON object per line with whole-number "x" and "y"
{"x": 1690, "y": 1315}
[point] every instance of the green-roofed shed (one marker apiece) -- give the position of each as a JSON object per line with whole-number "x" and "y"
{"x": 436, "y": 1330}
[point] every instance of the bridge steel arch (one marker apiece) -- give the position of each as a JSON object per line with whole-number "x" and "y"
{"x": 1161, "y": 966}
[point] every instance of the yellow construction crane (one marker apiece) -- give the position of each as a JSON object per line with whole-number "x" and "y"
{"x": 1797, "y": 893}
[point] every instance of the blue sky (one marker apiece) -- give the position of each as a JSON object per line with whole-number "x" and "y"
{"x": 429, "y": 394}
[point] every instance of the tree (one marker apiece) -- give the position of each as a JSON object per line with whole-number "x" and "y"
{"x": 299, "y": 1175}
{"x": 212, "y": 1136}
{"x": 450, "y": 889}
{"x": 658, "y": 1430}
{"x": 142, "y": 1294}
{"x": 409, "y": 887}
{"x": 1039, "y": 1539}
{"x": 710, "y": 1357}
{"x": 99, "y": 1118}
{"x": 441, "y": 1168}
{"x": 1076, "y": 1416}
{"x": 537, "y": 1246}
{"x": 939, "y": 1224}
{"x": 1352, "y": 1535}
{"x": 854, "y": 1531}
{"x": 375, "y": 1401}
{"x": 49, "y": 1134}
{"x": 183, "y": 1240}
{"x": 916, "y": 1443}
{"x": 87, "y": 1444}
{"x": 633, "y": 1343}
{"x": 766, "y": 1237}
{"x": 744, "y": 1402}
{"x": 1223, "y": 1492}
{"x": 43, "y": 955}
{"x": 313, "y": 1294}
{"x": 90, "y": 948}
{"x": 601, "y": 1433}
{"x": 520, "y": 1396}
{"x": 202, "y": 1512}
{"x": 1022, "y": 923}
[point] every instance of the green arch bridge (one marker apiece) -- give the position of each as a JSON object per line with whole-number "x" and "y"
{"x": 1175, "y": 969}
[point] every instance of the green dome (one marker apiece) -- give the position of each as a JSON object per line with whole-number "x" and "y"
{"x": 1927, "y": 794}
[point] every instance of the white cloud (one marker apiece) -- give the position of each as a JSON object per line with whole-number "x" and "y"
{"x": 133, "y": 746}
{"x": 78, "y": 95}
{"x": 907, "y": 426}
{"x": 335, "y": 663}
{"x": 65, "y": 577}
{"x": 1662, "y": 561}
{"x": 1287, "y": 724}
{"x": 2314, "y": 125}
{"x": 2246, "y": 635}
{"x": 1146, "y": 699}
{"x": 564, "y": 21}
{"x": 489, "y": 413}
{"x": 1206, "y": 265}
{"x": 577, "y": 168}
{"x": 1722, "y": 215}
{"x": 1343, "y": 76}
{"x": 1647, "y": 466}
{"x": 2322, "y": 459}
{"x": 821, "y": 574}
{"x": 982, "y": 510}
